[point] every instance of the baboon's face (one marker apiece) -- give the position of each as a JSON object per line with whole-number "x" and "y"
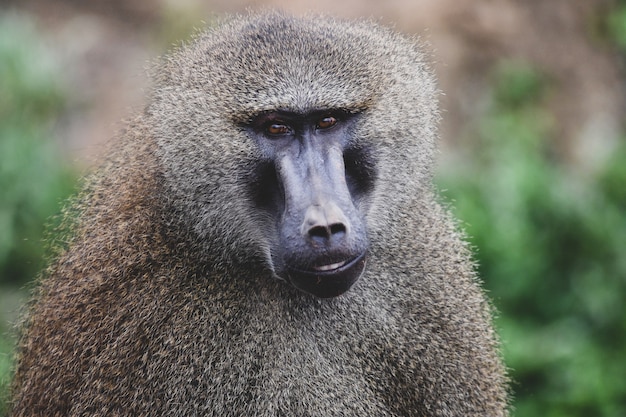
{"x": 311, "y": 181}
{"x": 286, "y": 142}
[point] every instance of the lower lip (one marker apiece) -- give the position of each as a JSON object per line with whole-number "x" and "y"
{"x": 328, "y": 282}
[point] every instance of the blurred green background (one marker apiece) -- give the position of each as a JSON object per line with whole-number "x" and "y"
{"x": 540, "y": 189}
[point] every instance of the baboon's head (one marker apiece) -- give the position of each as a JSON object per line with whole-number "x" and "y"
{"x": 294, "y": 141}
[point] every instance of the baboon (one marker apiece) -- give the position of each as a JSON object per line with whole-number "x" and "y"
{"x": 266, "y": 240}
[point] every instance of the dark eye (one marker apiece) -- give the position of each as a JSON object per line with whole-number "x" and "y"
{"x": 326, "y": 122}
{"x": 278, "y": 129}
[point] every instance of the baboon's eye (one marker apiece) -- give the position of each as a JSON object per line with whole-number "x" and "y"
{"x": 278, "y": 129}
{"x": 326, "y": 122}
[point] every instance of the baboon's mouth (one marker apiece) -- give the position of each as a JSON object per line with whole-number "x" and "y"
{"x": 329, "y": 280}
{"x": 326, "y": 268}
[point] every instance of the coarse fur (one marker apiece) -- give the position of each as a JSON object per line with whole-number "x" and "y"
{"x": 166, "y": 301}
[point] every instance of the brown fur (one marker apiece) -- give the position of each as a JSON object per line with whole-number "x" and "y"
{"x": 165, "y": 301}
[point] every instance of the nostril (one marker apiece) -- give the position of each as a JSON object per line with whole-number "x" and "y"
{"x": 337, "y": 228}
{"x": 319, "y": 231}
{"x": 326, "y": 232}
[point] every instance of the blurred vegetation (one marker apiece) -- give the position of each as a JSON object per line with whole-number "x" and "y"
{"x": 616, "y": 25}
{"x": 550, "y": 240}
{"x": 33, "y": 178}
{"x": 550, "y": 244}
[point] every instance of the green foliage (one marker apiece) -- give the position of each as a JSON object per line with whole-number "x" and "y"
{"x": 33, "y": 180}
{"x": 616, "y": 22}
{"x": 551, "y": 246}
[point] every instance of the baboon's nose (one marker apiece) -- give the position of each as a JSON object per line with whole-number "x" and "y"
{"x": 324, "y": 223}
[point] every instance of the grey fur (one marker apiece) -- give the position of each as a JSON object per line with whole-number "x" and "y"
{"x": 165, "y": 301}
